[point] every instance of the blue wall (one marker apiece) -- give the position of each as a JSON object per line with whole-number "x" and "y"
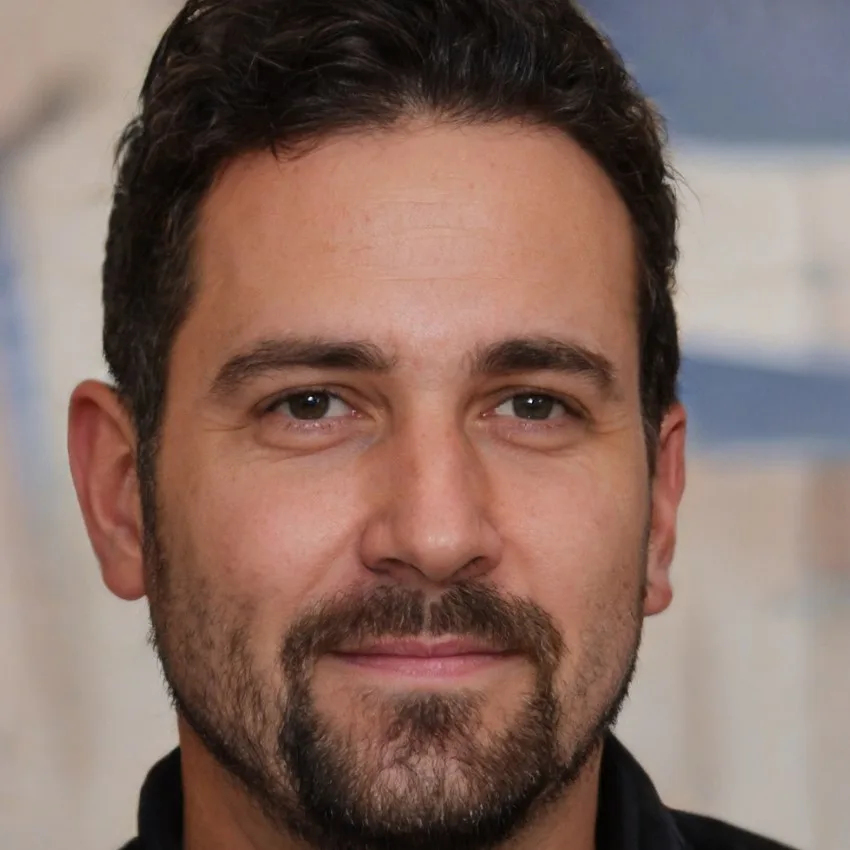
{"x": 740, "y": 70}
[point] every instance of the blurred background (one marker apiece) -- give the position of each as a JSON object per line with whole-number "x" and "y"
{"x": 741, "y": 707}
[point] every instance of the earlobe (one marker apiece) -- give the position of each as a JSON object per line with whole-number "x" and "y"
{"x": 668, "y": 487}
{"x": 102, "y": 452}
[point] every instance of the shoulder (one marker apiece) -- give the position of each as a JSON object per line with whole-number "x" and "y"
{"x": 135, "y": 844}
{"x": 704, "y": 833}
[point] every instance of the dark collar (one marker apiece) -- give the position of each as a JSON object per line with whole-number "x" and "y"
{"x": 161, "y": 807}
{"x": 631, "y": 815}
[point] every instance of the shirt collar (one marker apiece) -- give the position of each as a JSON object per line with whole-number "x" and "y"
{"x": 631, "y": 814}
{"x": 161, "y": 806}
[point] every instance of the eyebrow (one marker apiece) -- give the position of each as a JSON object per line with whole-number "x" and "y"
{"x": 509, "y": 356}
{"x": 276, "y": 355}
{"x": 546, "y": 354}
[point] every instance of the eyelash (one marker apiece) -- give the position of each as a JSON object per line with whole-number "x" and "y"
{"x": 571, "y": 408}
{"x": 294, "y": 424}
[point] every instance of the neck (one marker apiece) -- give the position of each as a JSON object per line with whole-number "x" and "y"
{"x": 219, "y": 815}
{"x": 217, "y": 812}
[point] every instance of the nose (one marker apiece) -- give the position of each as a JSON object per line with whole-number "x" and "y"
{"x": 432, "y": 525}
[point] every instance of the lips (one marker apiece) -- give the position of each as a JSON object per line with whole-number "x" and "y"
{"x": 424, "y": 649}
{"x": 424, "y": 660}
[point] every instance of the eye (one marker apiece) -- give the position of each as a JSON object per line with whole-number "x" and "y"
{"x": 536, "y": 407}
{"x": 311, "y": 406}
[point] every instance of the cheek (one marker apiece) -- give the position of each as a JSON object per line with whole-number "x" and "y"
{"x": 583, "y": 543}
{"x": 265, "y": 535}
{"x": 575, "y": 536}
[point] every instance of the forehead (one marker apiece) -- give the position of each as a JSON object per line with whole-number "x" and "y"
{"x": 428, "y": 238}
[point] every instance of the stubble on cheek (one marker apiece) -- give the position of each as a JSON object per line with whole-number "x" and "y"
{"x": 596, "y": 673}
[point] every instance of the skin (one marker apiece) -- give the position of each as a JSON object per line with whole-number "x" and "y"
{"x": 430, "y": 242}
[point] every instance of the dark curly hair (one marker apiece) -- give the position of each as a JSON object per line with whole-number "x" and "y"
{"x": 235, "y": 76}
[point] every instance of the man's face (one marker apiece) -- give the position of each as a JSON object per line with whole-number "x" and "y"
{"x": 403, "y": 541}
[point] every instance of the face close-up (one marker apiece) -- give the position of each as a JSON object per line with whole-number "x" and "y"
{"x": 404, "y": 519}
{"x": 407, "y": 394}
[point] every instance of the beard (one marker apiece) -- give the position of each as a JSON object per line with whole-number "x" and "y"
{"x": 408, "y": 770}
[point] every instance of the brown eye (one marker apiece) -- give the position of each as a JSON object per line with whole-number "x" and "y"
{"x": 311, "y": 405}
{"x": 531, "y": 406}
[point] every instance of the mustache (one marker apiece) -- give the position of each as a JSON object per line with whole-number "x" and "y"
{"x": 468, "y": 609}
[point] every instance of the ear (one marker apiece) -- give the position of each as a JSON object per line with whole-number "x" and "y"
{"x": 102, "y": 452}
{"x": 668, "y": 486}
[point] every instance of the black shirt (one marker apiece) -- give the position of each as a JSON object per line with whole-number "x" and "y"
{"x": 631, "y": 815}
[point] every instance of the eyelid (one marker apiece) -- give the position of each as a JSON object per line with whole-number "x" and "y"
{"x": 571, "y": 405}
{"x": 270, "y": 405}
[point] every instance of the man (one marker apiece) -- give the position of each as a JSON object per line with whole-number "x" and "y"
{"x": 393, "y": 449}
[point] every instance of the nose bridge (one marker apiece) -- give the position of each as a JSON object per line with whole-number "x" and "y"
{"x": 437, "y": 513}
{"x": 438, "y": 471}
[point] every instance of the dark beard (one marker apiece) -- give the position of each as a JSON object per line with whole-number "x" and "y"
{"x": 324, "y": 786}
